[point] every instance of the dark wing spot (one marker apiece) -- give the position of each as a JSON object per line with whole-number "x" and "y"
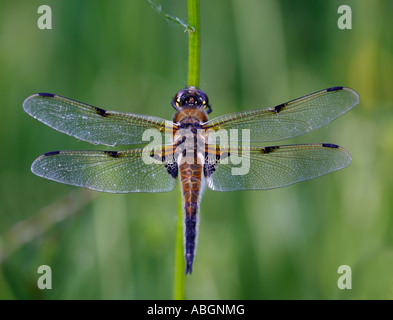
{"x": 44, "y": 94}
{"x": 269, "y": 149}
{"x": 172, "y": 169}
{"x": 210, "y": 163}
{"x": 208, "y": 169}
{"x": 334, "y": 89}
{"x": 100, "y": 111}
{"x": 113, "y": 154}
{"x": 279, "y": 108}
{"x": 51, "y": 153}
{"x": 329, "y": 145}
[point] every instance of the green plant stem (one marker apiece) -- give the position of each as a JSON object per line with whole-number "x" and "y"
{"x": 194, "y": 43}
{"x": 193, "y": 80}
{"x": 179, "y": 293}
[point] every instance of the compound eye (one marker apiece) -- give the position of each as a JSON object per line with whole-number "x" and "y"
{"x": 179, "y": 98}
{"x": 204, "y": 98}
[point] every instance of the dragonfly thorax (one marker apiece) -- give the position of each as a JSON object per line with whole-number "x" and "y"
{"x": 190, "y": 117}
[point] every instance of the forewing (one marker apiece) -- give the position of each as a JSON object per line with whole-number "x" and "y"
{"x": 109, "y": 171}
{"x": 90, "y": 123}
{"x": 273, "y": 167}
{"x": 289, "y": 119}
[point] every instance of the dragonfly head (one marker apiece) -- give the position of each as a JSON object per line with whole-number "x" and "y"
{"x": 191, "y": 97}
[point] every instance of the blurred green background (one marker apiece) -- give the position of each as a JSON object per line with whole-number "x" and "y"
{"x": 121, "y": 55}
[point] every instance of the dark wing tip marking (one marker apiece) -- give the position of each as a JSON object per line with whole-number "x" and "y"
{"x": 113, "y": 154}
{"x": 279, "y": 108}
{"x": 329, "y": 145}
{"x": 44, "y": 94}
{"x": 51, "y": 153}
{"x": 334, "y": 89}
{"x": 269, "y": 149}
{"x": 100, "y": 111}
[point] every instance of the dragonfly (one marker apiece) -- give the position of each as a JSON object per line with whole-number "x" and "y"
{"x": 188, "y": 153}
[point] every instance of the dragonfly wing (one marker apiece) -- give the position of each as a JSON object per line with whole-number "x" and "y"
{"x": 90, "y": 123}
{"x": 289, "y": 119}
{"x": 109, "y": 171}
{"x": 272, "y": 167}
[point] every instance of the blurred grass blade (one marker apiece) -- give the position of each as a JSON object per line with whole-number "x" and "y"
{"x": 46, "y": 218}
{"x": 176, "y": 20}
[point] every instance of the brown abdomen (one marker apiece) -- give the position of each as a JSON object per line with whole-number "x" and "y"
{"x": 190, "y": 175}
